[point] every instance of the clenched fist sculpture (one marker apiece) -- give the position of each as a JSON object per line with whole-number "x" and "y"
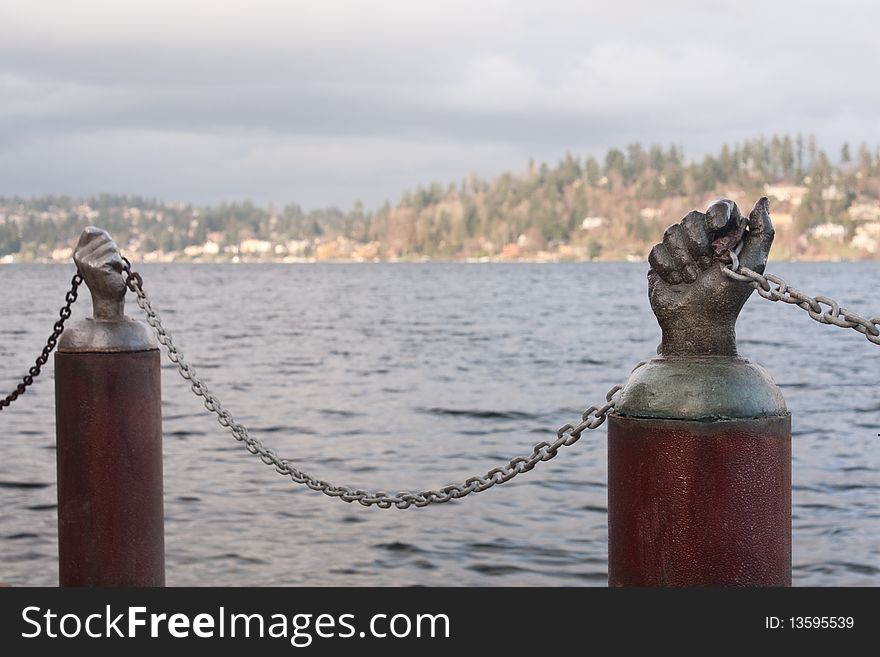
{"x": 695, "y": 303}
{"x": 99, "y": 262}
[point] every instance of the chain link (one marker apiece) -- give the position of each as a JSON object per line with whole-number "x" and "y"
{"x": 43, "y": 358}
{"x": 567, "y": 435}
{"x": 775, "y": 289}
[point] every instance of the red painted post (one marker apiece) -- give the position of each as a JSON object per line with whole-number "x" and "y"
{"x": 699, "y": 503}
{"x": 699, "y": 444}
{"x": 109, "y": 436}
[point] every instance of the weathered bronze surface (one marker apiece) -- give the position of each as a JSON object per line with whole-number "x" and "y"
{"x": 695, "y": 304}
{"x": 698, "y": 374}
{"x": 700, "y": 388}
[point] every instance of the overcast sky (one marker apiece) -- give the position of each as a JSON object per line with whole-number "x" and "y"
{"x": 327, "y": 102}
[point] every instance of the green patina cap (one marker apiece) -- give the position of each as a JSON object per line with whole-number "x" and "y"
{"x": 705, "y": 388}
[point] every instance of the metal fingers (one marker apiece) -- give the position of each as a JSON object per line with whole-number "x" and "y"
{"x": 687, "y": 246}
{"x": 696, "y": 234}
{"x": 97, "y": 250}
{"x": 98, "y": 259}
{"x": 684, "y": 251}
{"x": 722, "y": 215}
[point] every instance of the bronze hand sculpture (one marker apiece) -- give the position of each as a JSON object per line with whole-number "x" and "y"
{"x": 695, "y": 304}
{"x": 99, "y": 262}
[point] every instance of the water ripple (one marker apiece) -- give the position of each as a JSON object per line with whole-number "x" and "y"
{"x": 402, "y": 377}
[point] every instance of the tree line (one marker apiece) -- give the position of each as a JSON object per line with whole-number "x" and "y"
{"x": 545, "y": 203}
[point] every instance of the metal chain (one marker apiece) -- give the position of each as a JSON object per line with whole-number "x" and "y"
{"x": 43, "y": 358}
{"x": 567, "y": 435}
{"x": 781, "y": 291}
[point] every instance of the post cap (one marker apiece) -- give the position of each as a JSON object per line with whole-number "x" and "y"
{"x": 708, "y": 388}
{"x": 99, "y": 261}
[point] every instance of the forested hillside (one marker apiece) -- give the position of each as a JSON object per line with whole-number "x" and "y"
{"x": 580, "y": 208}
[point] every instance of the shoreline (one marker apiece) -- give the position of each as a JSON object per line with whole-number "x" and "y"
{"x": 412, "y": 261}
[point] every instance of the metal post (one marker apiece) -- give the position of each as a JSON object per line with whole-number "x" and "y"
{"x": 109, "y": 436}
{"x": 699, "y": 478}
{"x": 699, "y": 444}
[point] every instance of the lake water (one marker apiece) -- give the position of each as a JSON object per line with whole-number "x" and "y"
{"x": 394, "y": 376}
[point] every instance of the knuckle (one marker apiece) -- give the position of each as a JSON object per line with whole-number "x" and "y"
{"x": 657, "y": 258}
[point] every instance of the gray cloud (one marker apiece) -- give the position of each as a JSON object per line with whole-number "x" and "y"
{"x": 328, "y": 102}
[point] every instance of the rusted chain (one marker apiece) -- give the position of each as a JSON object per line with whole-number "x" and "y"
{"x": 43, "y": 358}
{"x": 775, "y": 289}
